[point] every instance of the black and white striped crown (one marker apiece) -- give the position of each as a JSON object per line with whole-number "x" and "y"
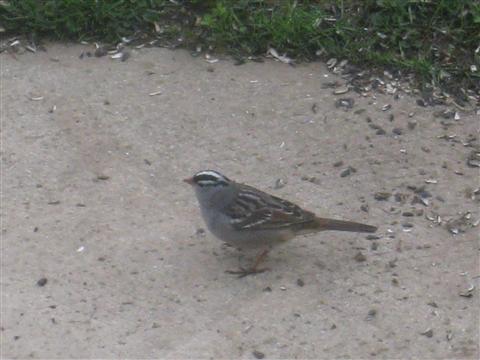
{"x": 210, "y": 178}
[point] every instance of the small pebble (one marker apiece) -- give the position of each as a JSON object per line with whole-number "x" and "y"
{"x": 360, "y": 257}
{"x": 418, "y": 200}
{"x": 412, "y": 125}
{"x": 300, "y": 282}
{"x": 428, "y": 333}
{"x": 258, "y": 354}
{"x": 346, "y": 172}
{"x": 125, "y": 55}
{"x": 42, "y": 282}
{"x": 382, "y": 196}
{"x": 371, "y": 314}
{"x": 424, "y": 193}
{"x": 397, "y": 131}
{"x": 338, "y": 163}
{"x": 312, "y": 179}
{"x": 101, "y": 51}
{"x": 392, "y": 263}
{"x": 340, "y": 91}
{"x": 279, "y": 183}
{"x": 466, "y": 294}
{"x": 449, "y": 335}
{"x": 345, "y": 103}
{"x": 421, "y": 102}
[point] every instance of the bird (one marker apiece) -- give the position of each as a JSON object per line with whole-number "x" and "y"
{"x": 248, "y": 218}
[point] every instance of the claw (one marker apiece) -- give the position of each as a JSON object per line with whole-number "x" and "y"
{"x": 242, "y": 272}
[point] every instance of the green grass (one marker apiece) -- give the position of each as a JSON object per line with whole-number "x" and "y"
{"x": 79, "y": 19}
{"x": 434, "y": 39}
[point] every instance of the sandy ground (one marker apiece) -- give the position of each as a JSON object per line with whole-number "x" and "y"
{"x": 94, "y": 203}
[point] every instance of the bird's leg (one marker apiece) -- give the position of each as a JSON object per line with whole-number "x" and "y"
{"x": 259, "y": 259}
{"x": 242, "y": 272}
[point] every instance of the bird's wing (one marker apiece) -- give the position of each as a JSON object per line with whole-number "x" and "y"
{"x": 253, "y": 209}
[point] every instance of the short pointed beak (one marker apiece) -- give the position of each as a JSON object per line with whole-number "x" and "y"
{"x": 189, "y": 181}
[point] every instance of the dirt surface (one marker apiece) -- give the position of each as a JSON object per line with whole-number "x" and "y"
{"x": 103, "y": 252}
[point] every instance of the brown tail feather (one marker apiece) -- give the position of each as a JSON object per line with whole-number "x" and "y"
{"x": 340, "y": 225}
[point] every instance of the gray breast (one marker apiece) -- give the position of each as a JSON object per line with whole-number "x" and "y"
{"x": 220, "y": 226}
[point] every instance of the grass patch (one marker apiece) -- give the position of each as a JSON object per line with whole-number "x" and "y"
{"x": 437, "y": 40}
{"x": 79, "y": 19}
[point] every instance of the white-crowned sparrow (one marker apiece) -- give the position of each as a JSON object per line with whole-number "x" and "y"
{"x": 245, "y": 217}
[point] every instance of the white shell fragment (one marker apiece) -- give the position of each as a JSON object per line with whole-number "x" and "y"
{"x": 434, "y": 217}
{"x": 391, "y": 89}
{"x": 331, "y": 63}
{"x": 468, "y": 293}
{"x": 155, "y": 93}
{"x": 283, "y": 58}
{"x": 341, "y": 90}
{"x": 210, "y": 59}
{"x": 117, "y": 55}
